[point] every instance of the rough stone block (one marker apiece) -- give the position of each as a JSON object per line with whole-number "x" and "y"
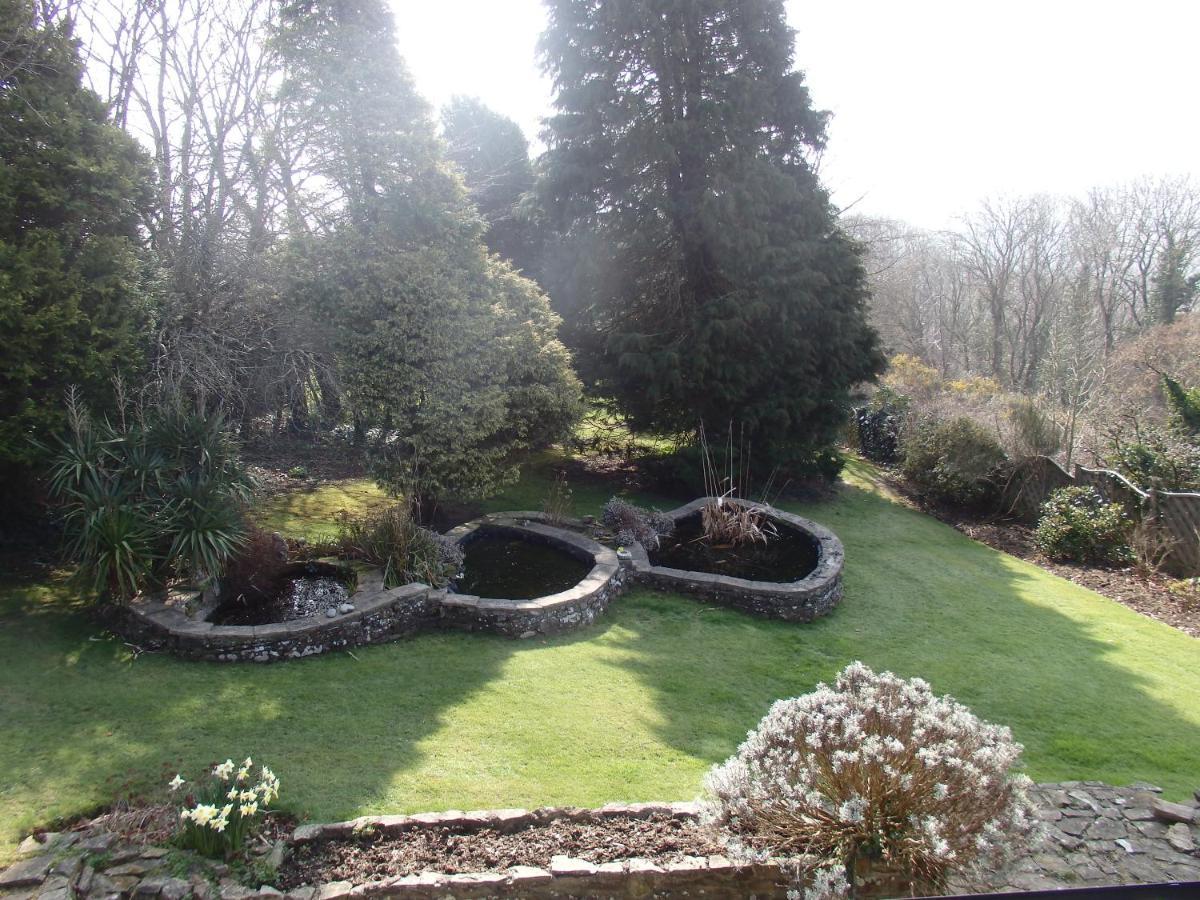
{"x": 26, "y": 873}
{"x": 1179, "y": 836}
{"x": 569, "y": 867}
{"x": 333, "y": 890}
{"x": 526, "y": 876}
{"x": 1165, "y": 811}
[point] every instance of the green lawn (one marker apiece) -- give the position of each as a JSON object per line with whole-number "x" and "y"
{"x": 636, "y": 707}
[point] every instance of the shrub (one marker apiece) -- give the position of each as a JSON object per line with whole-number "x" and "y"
{"x": 879, "y": 426}
{"x": 223, "y": 808}
{"x": 633, "y": 524}
{"x": 148, "y": 500}
{"x": 1155, "y": 458}
{"x": 873, "y": 774}
{"x": 1078, "y": 524}
{"x": 407, "y": 551}
{"x": 1033, "y": 432}
{"x": 953, "y": 460}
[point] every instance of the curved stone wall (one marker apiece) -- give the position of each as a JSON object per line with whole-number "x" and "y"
{"x": 809, "y": 598}
{"x": 564, "y": 611}
{"x": 175, "y": 622}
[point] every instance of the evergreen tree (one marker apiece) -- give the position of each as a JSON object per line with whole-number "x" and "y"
{"x": 702, "y": 272}
{"x": 72, "y": 285}
{"x": 493, "y": 156}
{"x": 1184, "y": 406}
{"x": 1174, "y": 289}
{"x": 445, "y": 355}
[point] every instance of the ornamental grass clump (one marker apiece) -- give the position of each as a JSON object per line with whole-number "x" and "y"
{"x": 224, "y": 808}
{"x": 407, "y": 551}
{"x": 873, "y": 784}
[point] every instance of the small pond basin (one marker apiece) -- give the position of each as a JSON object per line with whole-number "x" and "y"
{"x": 300, "y": 591}
{"x": 499, "y": 563}
{"x": 790, "y": 556}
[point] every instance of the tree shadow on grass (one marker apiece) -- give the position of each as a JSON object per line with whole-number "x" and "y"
{"x": 1090, "y": 688}
{"x": 80, "y": 711}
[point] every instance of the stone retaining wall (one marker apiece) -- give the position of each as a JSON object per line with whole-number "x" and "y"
{"x": 1095, "y": 835}
{"x": 565, "y": 876}
{"x": 813, "y": 596}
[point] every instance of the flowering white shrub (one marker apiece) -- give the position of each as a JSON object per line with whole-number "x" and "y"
{"x": 872, "y": 776}
{"x": 222, "y": 809}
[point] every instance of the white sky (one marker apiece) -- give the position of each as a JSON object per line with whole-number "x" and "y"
{"x": 936, "y": 103}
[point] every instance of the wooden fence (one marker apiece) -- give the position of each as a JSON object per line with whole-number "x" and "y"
{"x": 1178, "y": 514}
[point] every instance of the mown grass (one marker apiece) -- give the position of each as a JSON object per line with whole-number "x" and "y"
{"x": 635, "y": 707}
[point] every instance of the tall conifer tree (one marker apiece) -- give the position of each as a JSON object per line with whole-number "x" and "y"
{"x": 73, "y": 295}
{"x": 445, "y": 354}
{"x": 702, "y": 272}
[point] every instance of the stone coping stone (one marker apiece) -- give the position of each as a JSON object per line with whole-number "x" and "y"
{"x": 605, "y": 564}
{"x": 565, "y": 876}
{"x": 807, "y": 598}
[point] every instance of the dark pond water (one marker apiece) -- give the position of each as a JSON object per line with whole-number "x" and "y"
{"x": 297, "y": 597}
{"x": 788, "y": 557}
{"x": 497, "y": 565}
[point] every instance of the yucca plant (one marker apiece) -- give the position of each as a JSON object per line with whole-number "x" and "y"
{"x": 145, "y": 501}
{"x": 112, "y": 539}
{"x": 206, "y": 525}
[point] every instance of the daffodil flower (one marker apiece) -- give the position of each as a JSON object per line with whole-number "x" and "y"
{"x": 176, "y": 783}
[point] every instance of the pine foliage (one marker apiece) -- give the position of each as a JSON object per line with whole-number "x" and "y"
{"x": 700, "y": 269}
{"x": 446, "y": 356}
{"x": 73, "y": 291}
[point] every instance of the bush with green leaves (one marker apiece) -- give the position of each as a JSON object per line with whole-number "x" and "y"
{"x": 879, "y": 424}
{"x": 149, "y": 500}
{"x": 1155, "y": 458}
{"x": 1079, "y": 525}
{"x": 1184, "y": 406}
{"x": 407, "y": 551}
{"x": 1034, "y": 433}
{"x": 954, "y": 461}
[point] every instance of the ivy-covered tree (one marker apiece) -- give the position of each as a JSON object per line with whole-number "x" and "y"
{"x": 73, "y": 295}
{"x": 1174, "y": 290}
{"x": 493, "y": 155}
{"x": 448, "y": 359}
{"x": 1184, "y": 406}
{"x": 701, "y": 271}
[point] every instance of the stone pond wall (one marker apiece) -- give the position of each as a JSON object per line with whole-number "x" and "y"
{"x": 175, "y": 622}
{"x": 798, "y": 601}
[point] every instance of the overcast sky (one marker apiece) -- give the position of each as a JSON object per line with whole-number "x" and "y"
{"x": 936, "y": 104}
